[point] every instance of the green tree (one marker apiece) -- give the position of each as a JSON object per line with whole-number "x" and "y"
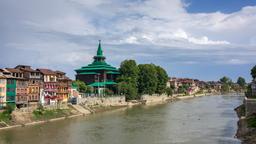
{"x": 225, "y": 88}
{"x": 128, "y": 90}
{"x": 89, "y": 89}
{"x": 183, "y": 89}
{"x": 81, "y": 86}
{"x": 129, "y": 69}
{"x": 241, "y": 82}
{"x": 128, "y": 79}
{"x": 226, "y": 80}
{"x": 169, "y": 91}
{"x": 147, "y": 80}
{"x": 162, "y": 79}
{"x": 253, "y": 72}
{"x": 248, "y": 92}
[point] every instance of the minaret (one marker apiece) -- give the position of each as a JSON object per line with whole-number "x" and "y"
{"x": 99, "y": 57}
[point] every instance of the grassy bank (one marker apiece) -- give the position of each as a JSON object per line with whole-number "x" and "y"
{"x": 5, "y": 117}
{"x": 45, "y": 114}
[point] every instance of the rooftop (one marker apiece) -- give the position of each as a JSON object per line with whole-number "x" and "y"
{"x": 98, "y": 64}
{"x": 46, "y": 71}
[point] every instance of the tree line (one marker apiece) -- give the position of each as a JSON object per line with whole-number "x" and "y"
{"x": 136, "y": 80}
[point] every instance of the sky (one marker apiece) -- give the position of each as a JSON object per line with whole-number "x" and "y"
{"x": 189, "y": 38}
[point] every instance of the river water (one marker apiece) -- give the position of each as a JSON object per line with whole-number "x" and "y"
{"x": 202, "y": 120}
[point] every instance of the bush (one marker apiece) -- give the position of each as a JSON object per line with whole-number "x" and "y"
{"x": 5, "y": 116}
{"x": 169, "y": 91}
{"x": 251, "y": 120}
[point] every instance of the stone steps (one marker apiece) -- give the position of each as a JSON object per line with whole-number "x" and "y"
{"x": 81, "y": 109}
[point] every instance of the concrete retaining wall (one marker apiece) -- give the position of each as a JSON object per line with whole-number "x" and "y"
{"x": 250, "y": 106}
{"x": 149, "y": 99}
{"x": 105, "y": 101}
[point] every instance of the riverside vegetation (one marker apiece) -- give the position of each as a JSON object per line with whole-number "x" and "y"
{"x": 134, "y": 81}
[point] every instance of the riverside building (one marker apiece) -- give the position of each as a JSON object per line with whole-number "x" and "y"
{"x": 98, "y": 74}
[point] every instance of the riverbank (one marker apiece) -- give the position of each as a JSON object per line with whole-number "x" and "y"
{"x": 246, "y": 131}
{"x": 97, "y": 108}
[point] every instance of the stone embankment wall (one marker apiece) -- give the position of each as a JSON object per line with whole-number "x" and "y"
{"x": 250, "y": 106}
{"x": 104, "y": 101}
{"x": 151, "y": 99}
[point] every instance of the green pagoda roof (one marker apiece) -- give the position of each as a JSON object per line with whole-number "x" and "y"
{"x": 98, "y": 64}
{"x": 101, "y": 84}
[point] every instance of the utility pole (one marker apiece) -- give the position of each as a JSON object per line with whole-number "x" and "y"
{"x": 98, "y": 84}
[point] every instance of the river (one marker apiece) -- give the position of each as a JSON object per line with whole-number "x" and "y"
{"x": 202, "y": 120}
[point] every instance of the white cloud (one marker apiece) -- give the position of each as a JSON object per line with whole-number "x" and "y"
{"x": 130, "y": 40}
{"x": 66, "y": 31}
{"x": 235, "y": 61}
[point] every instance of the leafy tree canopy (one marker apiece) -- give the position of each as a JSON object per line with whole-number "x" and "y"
{"x": 226, "y": 80}
{"x": 147, "y": 81}
{"x": 253, "y": 72}
{"x": 81, "y": 86}
{"x": 241, "y": 82}
{"x": 162, "y": 78}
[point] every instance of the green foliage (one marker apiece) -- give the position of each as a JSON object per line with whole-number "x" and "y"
{"x": 44, "y": 114}
{"x": 147, "y": 81}
{"x": 251, "y": 120}
{"x": 241, "y": 82}
{"x": 109, "y": 92}
{"x": 226, "y": 84}
{"x": 10, "y": 107}
{"x": 225, "y": 88}
{"x": 129, "y": 69}
{"x": 128, "y": 79}
{"x": 183, "y": 89}
{"x": 81, "y": 86}
{"x": 248, "y": 92}
{"x": 162, "y": 78}
{"x": 142, "y": 79}
{"x": 253, "y": 72}
{"x": 169, "y": 91}
{"x": 6, "y": 114}
{"x": 226, "y": 80}
{"x": 128, "y": 89}
{"x": 89, "y": 89}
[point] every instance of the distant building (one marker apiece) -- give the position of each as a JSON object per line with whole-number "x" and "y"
{"x": 2, "y": 90}
{"x": 98, "y": 74}
{"x": 49, "y": 86}
{"x": 176, "y": 83}
{"x": 21, "y": 86}
{"x": 10, "y": 87}
{"x": 35, "y": 83}
{"x": 214, "y": 86}
{"x": 63, "y": 87}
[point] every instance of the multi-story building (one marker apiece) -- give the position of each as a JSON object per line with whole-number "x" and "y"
{"x": 21, "y": 86}
{"x": 2, "y": 90}
{"x": 10, "y": 87}
{"x": 191, "y": 84}
{"x": 63, "y": 86}
{"x": 50, "y": 87}
{"x": 35, "y": 83}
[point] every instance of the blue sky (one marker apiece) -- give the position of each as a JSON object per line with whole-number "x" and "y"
{"x": 224, "y": 6}
{"x": 204, "y": 39}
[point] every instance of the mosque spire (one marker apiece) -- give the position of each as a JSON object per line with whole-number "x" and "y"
{"x": 99, "y": 51}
